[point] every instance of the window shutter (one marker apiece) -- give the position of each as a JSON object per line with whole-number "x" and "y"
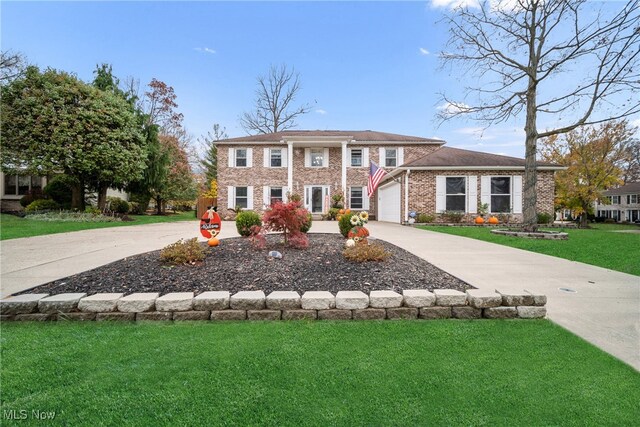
{"x": 285, "y": 158}
{"x": 230, "y": 197}
{"x": 485, "y": 191}
{"x": 516, "y": 194}
{"x": 365, "y": 157}
{"x": 325, "y": 158}
{"x": 249, "y": 157}
{"x": 472, "y": 194}
{"x": 266, "y": 161}
{"x": 265, "y": 196}
{"x": 365, "y": 200}
{"x": 285, "y": 191}
{"x": 381, "y": 157}
{"x": 441, "y": 193}
{"x": 307, "y": 158}
{"x": 400, "y": 158}
{"x": 250, "y": 197}
{"x": 232, "y": 157}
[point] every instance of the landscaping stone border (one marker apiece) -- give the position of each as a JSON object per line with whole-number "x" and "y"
{"x": 279, "y": 305}
{"x": 544, "y": 235}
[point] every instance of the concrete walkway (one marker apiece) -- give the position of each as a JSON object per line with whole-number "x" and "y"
{"x": 604, "y": 310}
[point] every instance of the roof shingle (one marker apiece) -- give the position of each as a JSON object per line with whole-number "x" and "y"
{"x": 456, "y": 157}
{"x": 358, "y": 135}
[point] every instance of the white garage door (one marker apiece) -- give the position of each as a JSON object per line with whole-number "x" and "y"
{"x": 389, "y": 203}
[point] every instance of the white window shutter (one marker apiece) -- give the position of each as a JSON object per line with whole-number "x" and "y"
{"x": 400, "y": 154}
{"x": 365, "y": 157}
{"x": 307, "y": 158}
{"x": 516, "y": 194}
{"x": 441, "y": 193}
{"x": 266, "y": 159}
{"x": 485, "y": 191}
{"x": 365, "y": 199}
{"x": 325, "y": 158}
{"x": 285, "y": 191}
{"x": 472, "y": 194}
{"x": 250, "y": 197}
{"x": 381, "y": 157}
{"x": 265, "y": 196}
{"x": 232, "y": 157}
{"x": 285, "y": 158}
{"x": 231, "y": 197}
{"x": 249, "y": 157}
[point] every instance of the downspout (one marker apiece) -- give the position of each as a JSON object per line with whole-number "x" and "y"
{"x": 406, "y": 196}
{"x": 290, "y": 166}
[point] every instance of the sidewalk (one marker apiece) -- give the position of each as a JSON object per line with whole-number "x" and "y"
{"x": 605, "y": 310}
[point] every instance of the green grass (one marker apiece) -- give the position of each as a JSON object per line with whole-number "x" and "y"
{"x": 401, "y": 373}
{"x": 600, "y": 246}
{"x": 13, "y": 227}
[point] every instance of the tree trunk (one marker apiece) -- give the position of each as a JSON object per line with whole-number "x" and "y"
{"x": 102, "y": 196}
{"x": 158, "y": 205}
{"x": 77, "y": 196}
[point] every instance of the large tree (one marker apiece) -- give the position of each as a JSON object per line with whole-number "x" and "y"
{"x": 51, "y": 122}
{"x": 209, "y": 161}
{"x": 594, "y": 156}
{"x": 274, "y": 110}
{"x": 557, "y": 62}
{"x": 12, "y": 66}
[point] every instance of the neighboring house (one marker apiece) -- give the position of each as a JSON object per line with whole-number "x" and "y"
{"x": 14, "y": 187}
{"x": 620, "y": 204}
{"x": 424, "y": 176}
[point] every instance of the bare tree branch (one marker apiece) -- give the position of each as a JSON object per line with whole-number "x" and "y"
{"x": 12, "y": 66}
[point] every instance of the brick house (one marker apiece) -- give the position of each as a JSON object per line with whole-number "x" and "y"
{"x": 254, "y": 171}
{"x": 620, "y": 204}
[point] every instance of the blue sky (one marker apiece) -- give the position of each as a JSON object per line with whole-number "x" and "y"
{"x": 363, "y": 65}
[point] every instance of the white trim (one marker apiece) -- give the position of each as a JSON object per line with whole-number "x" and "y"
{"x": 249, "y": 197}
{"x": 343, "y": 172}
{"x": 406, "y": 196}
{"x": 232, "y": 157}
{"x": 441, "y": 193}
{"x": 399, "y": 156}
{"x": 231, "y": 197}
{"x": 325, "y": 158}
{"x": 516, "y": 194}
{"x": 307, "y": 157}
{"x": 485, "y": 191}
{"x": 289, "y": 166}
{"x": 381, "y": 156}
{"x": 365, "y": 203}
{"x": 472, "y": 194}
{"x": 365, "y": 157}
{"x": 266, "y": 193}
{"x": 249, "y": 157}
{"x": 307, "y": 200}
{"x": 480, "y": 168}
{"x": 266, "y": 160}
{"x": 285, "y": 158}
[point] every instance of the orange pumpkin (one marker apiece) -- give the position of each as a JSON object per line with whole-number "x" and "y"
{"x": 493, "y": 220}
{"x": 341, "y": 211}
{"x": 348, "y": 211}
{"x": 479, "y": 220}
{"x": 339, "y": 217}
{"x": 213, "y": 241}
{"x": 360, "y": 232}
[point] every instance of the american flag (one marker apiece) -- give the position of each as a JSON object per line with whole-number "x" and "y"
{"x": 375, "y": 176}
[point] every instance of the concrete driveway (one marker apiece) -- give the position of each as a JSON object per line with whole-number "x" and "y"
{"x": 604, "y": 309}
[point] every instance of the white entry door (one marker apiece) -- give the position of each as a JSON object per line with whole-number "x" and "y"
{"x": 389, "y": 203}
{"x": 315, "y": 198}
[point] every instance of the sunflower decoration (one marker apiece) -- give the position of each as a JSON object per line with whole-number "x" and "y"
{"x": 364, "y": 217}
{"x": 355, "y": 220}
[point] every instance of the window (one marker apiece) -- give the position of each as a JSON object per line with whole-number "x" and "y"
{"x": 241, "y": 158}
{"x": 501, "y": 194}
{"x": 456, "y": 194}
{"x": 390, "y": 157}
{"x": 242, "y": 198}
{"x": 615, "y": 200}
{"x": 356, "y": 157}
{"x": 275, "y": 155}
{"x": 357, "y": 198}
{"x": 275, "y": 194}
{"x": 632, "y": 199}
{"x": 19, "y": 185}
{"x": 316, "y": 157}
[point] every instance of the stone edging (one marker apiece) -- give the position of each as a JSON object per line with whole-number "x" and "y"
{"x": 548, "y": 235}
{"x": 278, "y": 305}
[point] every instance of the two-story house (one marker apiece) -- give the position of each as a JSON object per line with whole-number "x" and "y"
{"x": 621, "y": 204}
{"x": 424, "y": 176}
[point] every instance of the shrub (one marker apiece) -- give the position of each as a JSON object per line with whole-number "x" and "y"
{"x": 345, "y": 223}
{"x": 31, "y": 196}
{"x": 182, "y": 205}
{"x": 116, "y": 204}
{"x": 135, "y": 208}
{"x": 364, "y": 252}
{"x": 452, "y": 216}
{"x": 67, "y": 216}
{"x": 92, "y": 210}
{"x": 59, "y": 189}
{"x": 306, "y": 226}
{"x": 609, "y": 221}
{"x": 289, "y": 219}
{"x": 183, "y": 252}
{"x": 337, "y": 201}
{"x": 294, "y": 197}
{"x": 332, "y": 214}
{"x": 544, "y": 218}
{"x": 422, "y": 218}
{"x": 42, "y": 205}
{"x": 245, "y": 220}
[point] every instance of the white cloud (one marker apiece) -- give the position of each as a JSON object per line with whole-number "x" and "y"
{"x": 204, "y": 49}
{"x": 321, "y": 111}
{"x": 452, "y": 4}
{"x": 424, "y": 51}
{"x": 452, "y": 108}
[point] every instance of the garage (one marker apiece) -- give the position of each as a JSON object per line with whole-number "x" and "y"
{"x": 389, "y": 202}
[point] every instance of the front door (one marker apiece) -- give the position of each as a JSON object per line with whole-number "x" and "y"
{"x": 314, "y": 198}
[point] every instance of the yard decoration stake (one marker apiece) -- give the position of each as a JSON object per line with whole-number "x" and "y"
{"x": 210, "y": 223}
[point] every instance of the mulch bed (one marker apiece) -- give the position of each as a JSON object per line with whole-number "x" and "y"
{"x": 236, "y": 266}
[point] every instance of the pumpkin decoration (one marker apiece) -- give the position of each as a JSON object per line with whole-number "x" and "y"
{"x": 493, "y": 220}
{"x": 347, "y": 212}
{"x": 350, "y": 243}
{"x": 479, "y": 220}
{"x": 213, "y": 242}
{"x": 341, "y": 211}
{"x": 339, "y": 217}
{"x": 358, "y": 232}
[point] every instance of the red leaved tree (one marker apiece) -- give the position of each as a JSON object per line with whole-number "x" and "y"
{"x": 288, "y": 219}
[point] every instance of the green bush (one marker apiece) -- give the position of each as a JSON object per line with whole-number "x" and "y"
{"x": 31, "y": 196}
{"x": 424, "y": 218}
{"x": 332, "y": 214}
{"x": 92, "y": 210}
{"x": 345, "y": 223}
{"x": 183, "y": 252}
{"x": 135, "y": 208}
{"x": 245, "y": 220}
{"x": 307, "y": 225}
{"x": 544, "y": 218}
{"x": 116, "y": 204}
{"x": 59, "y": 189}
{"x": 42, "y": 205}
{"x": 452, "y": 216}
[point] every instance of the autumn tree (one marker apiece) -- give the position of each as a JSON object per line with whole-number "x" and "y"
{"x": 594, "y": 157}
{"x": 274, "y": 110}
{"x": 209, "y": 161}
{"x": 558, "y": 62}
{"x": 51, "y": 123}
{"x": 12, "y": 66}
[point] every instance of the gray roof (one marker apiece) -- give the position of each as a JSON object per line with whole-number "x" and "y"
{"x": 628, "y": 188}
{"x": 358, "y": 135}
{"x": 455, "y": 157}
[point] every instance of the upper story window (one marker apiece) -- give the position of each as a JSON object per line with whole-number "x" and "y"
{"x": 316, "y": 157}
{"x": 275, "y": 157}
{"x": 356, "y": 157}
{"x": 390, "y": 157}
{"x": 633, "y": 199}
{"x": 19, "y": 185}
{"x": 500, "y": 194}
{"x": 456, "y": 199}
{"x": 241, "y": 157}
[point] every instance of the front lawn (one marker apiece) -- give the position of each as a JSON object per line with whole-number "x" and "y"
{"x": 603, "y": 245}
{"x": 13, "y": 227}
{"x": 314, "y": 373}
